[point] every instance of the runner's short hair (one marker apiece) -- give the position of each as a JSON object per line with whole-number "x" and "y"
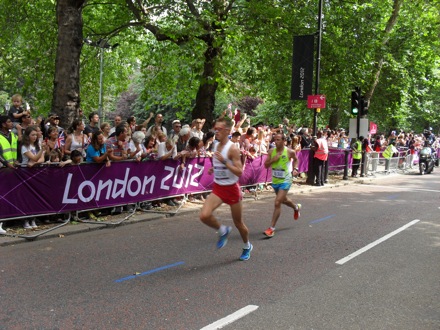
{"x": 226, "y": 120}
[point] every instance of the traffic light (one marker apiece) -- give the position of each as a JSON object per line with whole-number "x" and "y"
{"x": 364, "y": 106}
{"x": 355, "y": 101}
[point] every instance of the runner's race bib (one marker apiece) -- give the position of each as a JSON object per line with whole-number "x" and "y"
{"x": 220, "y": 173}
{"x": 278, "y": 173}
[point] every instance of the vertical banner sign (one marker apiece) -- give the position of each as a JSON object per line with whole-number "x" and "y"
{"x": 373, "y": 128}
{"x": 302, "y": 67}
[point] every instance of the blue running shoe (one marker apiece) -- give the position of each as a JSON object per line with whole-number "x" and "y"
{"x": 246, "y": 253}
{"x": 223, "y": 239}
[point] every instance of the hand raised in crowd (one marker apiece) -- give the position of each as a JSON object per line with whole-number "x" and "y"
{"x": 45, "y": 147}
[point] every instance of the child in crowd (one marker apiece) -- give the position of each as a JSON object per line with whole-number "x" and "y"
{"x": 16, "y": 111}
{"x": 75, "y": 159}
{"x": 54, "y": 156}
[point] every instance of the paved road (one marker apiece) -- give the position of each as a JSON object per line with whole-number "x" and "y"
{"x": 166, "y": 274}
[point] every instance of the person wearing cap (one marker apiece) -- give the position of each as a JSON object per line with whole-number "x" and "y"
{"x": 53, "y": 120}
{"x": 176, "y": 127}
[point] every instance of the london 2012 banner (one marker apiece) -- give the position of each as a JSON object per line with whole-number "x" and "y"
{"x": 302, "y": 67}
{"x": 50, "y": 189}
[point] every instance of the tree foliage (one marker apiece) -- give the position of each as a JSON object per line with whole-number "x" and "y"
{"x": 192, "y": 58}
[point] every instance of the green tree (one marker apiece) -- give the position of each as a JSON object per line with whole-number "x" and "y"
{"x": 27, "y": 54}
{"x": 191, "y": 58}
{"x": 66, "y": 98}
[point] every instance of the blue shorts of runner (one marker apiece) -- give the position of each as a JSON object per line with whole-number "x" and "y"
{"x": 283, "y": 186}
{"x": 230, "y": 194}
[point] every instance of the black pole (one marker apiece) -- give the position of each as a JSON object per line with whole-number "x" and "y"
{"x": 310, "y": 172}
{"x": 363, "y": 160}
{"x": 318, "y": 65}
{"x": 345, "y": 177}
{"x": 358, "y": 123}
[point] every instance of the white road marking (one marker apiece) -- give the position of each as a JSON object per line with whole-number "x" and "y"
{"x": 231, "y": 318}
{"x": 371, "y": 245}
{"x": 400, "y": 188}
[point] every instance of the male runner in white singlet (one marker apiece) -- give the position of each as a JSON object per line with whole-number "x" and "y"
{"x": 227, "y": 168}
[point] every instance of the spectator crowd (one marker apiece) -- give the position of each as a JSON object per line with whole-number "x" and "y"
{"x": 27, "y": 141}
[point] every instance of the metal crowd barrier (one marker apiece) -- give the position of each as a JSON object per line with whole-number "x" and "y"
{"x": 36, "y": 234}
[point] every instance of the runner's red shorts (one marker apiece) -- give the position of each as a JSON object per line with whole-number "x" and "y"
{"x": 230, "y": 194}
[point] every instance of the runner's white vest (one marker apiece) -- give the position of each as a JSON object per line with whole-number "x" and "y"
{"x": 222, "y": 175}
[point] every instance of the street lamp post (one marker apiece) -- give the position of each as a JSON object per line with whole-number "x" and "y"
{"x": 101, "y": 75}
{"x": 102, "y": 44}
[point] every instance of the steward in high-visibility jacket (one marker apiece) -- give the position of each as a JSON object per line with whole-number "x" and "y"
{"x": 8, "y": 143}
{"x": 390, "y": 151}
{"x": 356, "y": 148}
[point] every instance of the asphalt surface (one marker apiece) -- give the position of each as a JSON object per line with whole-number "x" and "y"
{"x": 165, "y": 273}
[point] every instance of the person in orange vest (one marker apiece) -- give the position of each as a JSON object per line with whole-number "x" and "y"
{"x": 320, "y": 147}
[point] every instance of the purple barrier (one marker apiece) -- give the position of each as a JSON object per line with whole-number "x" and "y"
{"x": 45, "y": 190}
{"x": 303, "y": 160}
{"x": 336, "y": 160}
